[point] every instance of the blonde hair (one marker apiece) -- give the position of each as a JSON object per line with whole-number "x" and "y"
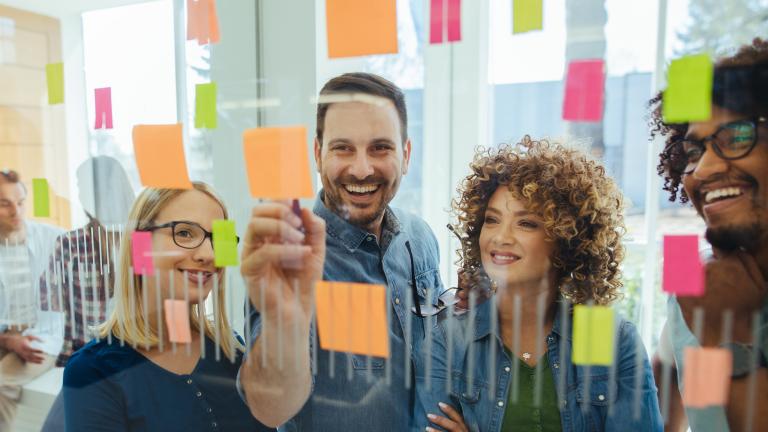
{"x": 127, "y": 321}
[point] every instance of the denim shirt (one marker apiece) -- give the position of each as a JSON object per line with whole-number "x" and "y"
{"x": 346, "y": 393}
{"x": 596, "y": 398}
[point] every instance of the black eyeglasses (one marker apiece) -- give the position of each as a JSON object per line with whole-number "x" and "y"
{"x": 731, "y": 141}
{"x": 187, "y": 235}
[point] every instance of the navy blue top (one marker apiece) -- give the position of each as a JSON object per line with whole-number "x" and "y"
{"x": 114, "y": 388}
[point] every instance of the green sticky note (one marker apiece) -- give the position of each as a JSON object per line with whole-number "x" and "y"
{"x": 688, "y": 96}
{"x": 40, "y": 194}
{"x": 205, "y": 106}
{"x": 54, "y": 75}
{"x": 527, "y": 15}
{"x": 225, "y": 243}
{"x": 593, "y": 333}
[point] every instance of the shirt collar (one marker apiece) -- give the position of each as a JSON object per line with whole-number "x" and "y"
{"x": 350, "y": 235}
{"x": 483, "y": 321}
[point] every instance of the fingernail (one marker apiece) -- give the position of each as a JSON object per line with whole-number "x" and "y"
{"x": 442, "y": 405}
{"x": 429, "y": 429}
{"x": 431, "y": 416}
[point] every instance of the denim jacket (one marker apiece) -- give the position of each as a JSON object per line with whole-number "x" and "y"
{"x": 596, "y": 398}
{"x": 354, "y": 392}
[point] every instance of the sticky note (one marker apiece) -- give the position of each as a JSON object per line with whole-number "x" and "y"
{"x": 444, "y": 21}
{"x": 141, "y": 252}
{"x": 159, "y": 152}
{"x": 706, "y": 376}
{"x": 177, "y": 320}
{"x": 224, "y": 243}
{"x": 351, "y": 317}
{"x": 205, "y": 106}
{"x": 584, "y": 91}
{"x": 359, "y": 28}
{"x": 593, "y": 335}
{"x": 688, "y": 96}
{"x": 54, "y": 75}
{"x": 683, "y": 272}
{"x": 277, "y": 162}
{"x": 41, "y": 196}
{"x": 103, "y": 108}
{"x": 202, "y": 21}
{"x": 527, "y": 15}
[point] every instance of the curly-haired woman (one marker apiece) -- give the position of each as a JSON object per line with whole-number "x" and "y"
{"x": 541, "y": 227}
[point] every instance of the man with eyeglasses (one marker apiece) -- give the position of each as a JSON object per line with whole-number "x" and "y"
{"x": 24, "y": 250}
{"x": 362, "y": 151}
{"x": 722, "y": 166}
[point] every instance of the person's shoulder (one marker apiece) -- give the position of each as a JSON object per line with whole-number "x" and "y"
{"x": 96, "y": 361}
{"x": 45, "y": 228}
{"x": 413, "y": 224}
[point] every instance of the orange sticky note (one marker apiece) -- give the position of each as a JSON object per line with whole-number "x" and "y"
{"x": 351, "y": 317}
{"x": 359, "y": 28}
{"x": 177, "y": 320}
{"x": 159, "y": 151}
{"x": 277, "y": 162}
{"x": 202, "y": 22}
{"x": 706, "y": 376}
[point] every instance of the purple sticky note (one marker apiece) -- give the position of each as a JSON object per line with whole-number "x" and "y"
{"x": 142, "y": 253}
{"x": 584, "y": 91}
{"x": 683, "y": 270}
{"x": 103, "y": 108}
{"x": 454, "y": 20}
{"x": 436, "y": 22}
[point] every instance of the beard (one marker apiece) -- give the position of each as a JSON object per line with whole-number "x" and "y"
{"x": 335, "y": 203}
{"x": 730, "y": 238}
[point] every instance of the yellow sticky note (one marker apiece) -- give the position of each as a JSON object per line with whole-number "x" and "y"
{"x": 41, "y": 197}
{"x": 706, "y": 376}
{"x": 688, "y": 96}
{"x": 351, "y": 317}
{"x": 359, "y": 28}
{"x": 593, "y": 335}
{"x": 527, "y": 15}
{"x": 54, "y": 74}
{"x": 205, "y": 106}
{"x": 159, "y": 152}
{"x": 225, "y": 243}
{"x": 277, "y": 162}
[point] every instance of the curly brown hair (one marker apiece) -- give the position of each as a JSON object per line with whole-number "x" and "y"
{"x": 581, "y": 206}
{"x": 745, "y": 96}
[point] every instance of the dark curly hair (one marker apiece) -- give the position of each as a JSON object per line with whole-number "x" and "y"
{"x": 738, "y": 86}
{"x": 581, "y": 206}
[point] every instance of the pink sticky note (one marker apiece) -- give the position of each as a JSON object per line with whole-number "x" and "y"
{"x": 103, "y": 108}
{"x": 584, "y": 91}
{"x": 683, "y": 273}
{"x": 454, "y": 20}
{"x": 436, "y": 21}
{"x": 177, "y": 320}
{"x": 202, "y": 21}
{"x": 706, "y": 376}
{"x": 142, "y": 253}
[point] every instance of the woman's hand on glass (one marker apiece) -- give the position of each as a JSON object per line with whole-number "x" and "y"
{"x": 453, "y": 423}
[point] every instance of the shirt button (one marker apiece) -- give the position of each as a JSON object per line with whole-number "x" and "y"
{"x": 397, "y": 300}
{"x": 210, "y": 410}
{"x": 214, "y": 424}
{"x": 189, "y": 381}
{"x": 500, "y": 403}
{"x": 601, "y": 397}
{"x": 507, "y": 369}
{"x": 369, "y": 238}
{"x": 557, "y": 365}
{"x": 199, "y": 394}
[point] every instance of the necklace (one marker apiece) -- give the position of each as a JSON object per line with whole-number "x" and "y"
{"x": 526, "y": 356}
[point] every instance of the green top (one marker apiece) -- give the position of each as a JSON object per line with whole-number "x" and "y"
{"x": 523, "y": 414}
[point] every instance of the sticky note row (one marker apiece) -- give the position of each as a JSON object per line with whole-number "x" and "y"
{"x": 41, "y": 197}
{"x": 225, "y": 243}
{"x": 683, "y": 271}
{"x": 141, "y": 253}
{"x": 358, "y": 28}
{"x": 444, "y": 21}
{"x": 688, "y": 96}
{"x": 527, "y": 15}
{"x": 177, "y": 320}
{"x": 54, "y": 76}
{"x": 584, "y": 91}
{"x": 205, "y": 105}
{"x": 706, "y": 376}
{"x": 202, "y": 21}
{"x": 103, "y": 108}
{"x": 593, "y": 335}
{"x": 351, "y": 317}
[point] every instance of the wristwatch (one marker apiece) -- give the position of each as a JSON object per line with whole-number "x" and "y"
{"x": 742, "y": 358}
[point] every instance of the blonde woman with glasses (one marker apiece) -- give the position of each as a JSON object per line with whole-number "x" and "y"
{"x": 133, "y": 377}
